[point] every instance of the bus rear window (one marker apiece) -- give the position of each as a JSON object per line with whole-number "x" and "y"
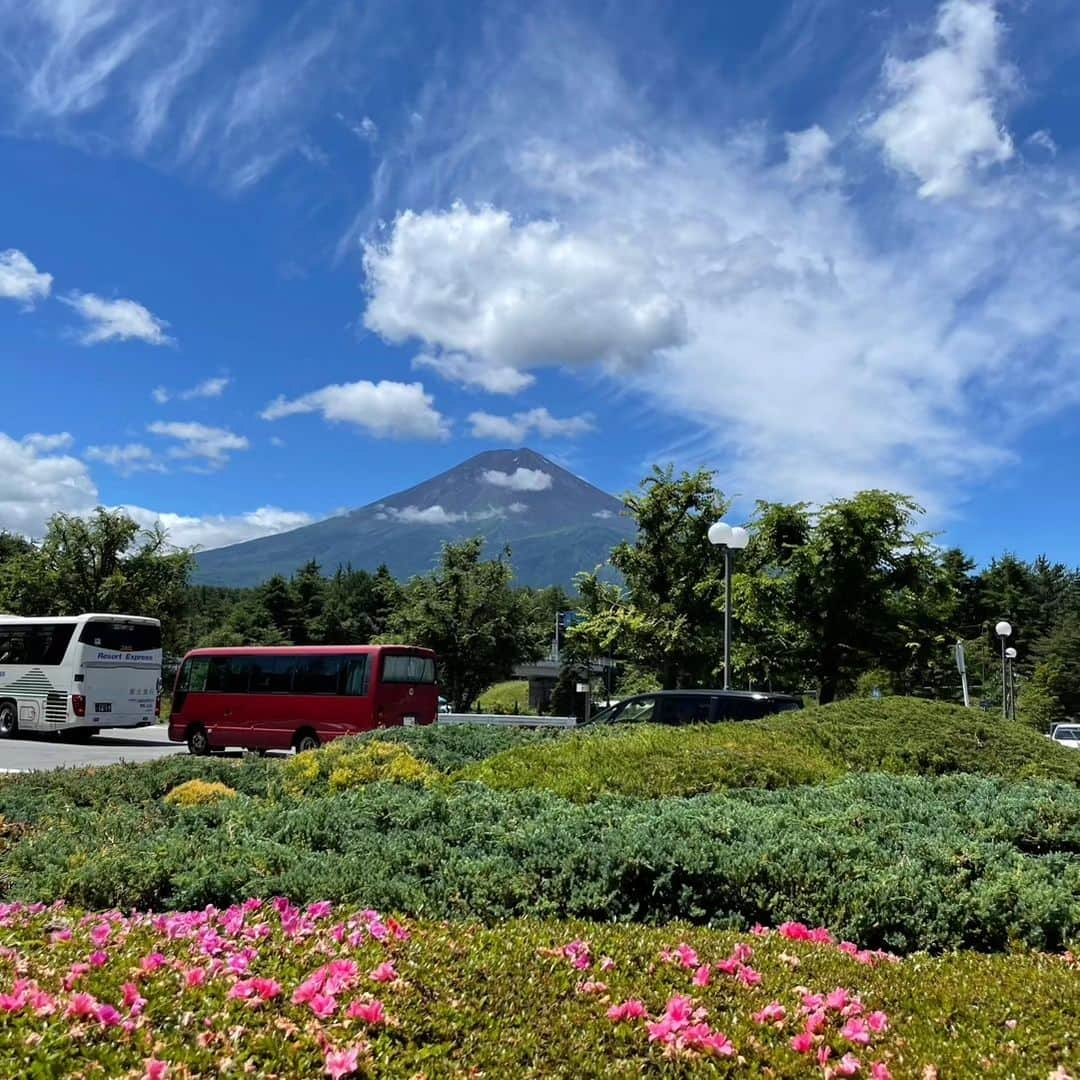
{"x": 408, "y": 669}
{"x": 122, "y": 636}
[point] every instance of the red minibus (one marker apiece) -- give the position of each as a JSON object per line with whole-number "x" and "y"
{"x": 299, "y": 696}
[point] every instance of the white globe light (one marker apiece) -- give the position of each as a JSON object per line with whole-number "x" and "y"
{"x": 1003, "y": 629}
{"x": 739, "y": 538}
{"x": 1010, "y": 653}
{"x": 720, "y": 533}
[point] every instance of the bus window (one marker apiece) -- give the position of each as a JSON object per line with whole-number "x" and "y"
{"x": 122, "y": 636}
{"x": 317, "y": 674}
{"x": 34, "y": 644}
{"x": 398, "y": 668}
{"x": 272, "y": 674}
{"x": 236, "y": 674}
{"x": 354, "y": 676}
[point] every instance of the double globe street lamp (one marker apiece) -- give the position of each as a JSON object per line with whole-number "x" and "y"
{"x": 730, "y": 538}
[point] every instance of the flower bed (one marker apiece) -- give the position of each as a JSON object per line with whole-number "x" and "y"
{"x": 269, "y": 989}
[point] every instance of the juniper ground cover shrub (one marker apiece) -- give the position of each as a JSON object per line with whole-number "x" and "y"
{"x": 903, "y": 863}
{"x": 894, "y": 735}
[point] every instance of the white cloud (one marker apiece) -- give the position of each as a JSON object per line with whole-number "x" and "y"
{"x": 367, "y": 129}
{"x": 517, "y": 428}
{"x": 127, "y": 459}
{"x": 517, "y": 294}
{"x": 117, "y": 320}
{"x": 385, "y": 410}
{"x": 519, "y": 480}
{"x": 808, "y": 155}
{"x": 45, "y": 444}
{"x": 494, "y": 378}
{"x": 36, "y": 482}
{"x": 20, "y": 279}
{"x": 199, "y": 441}
{"x": 603, "y": 514}
{"x": 437, "y": 515}
{"x": 219, "y": 530}
{"x": 208, "y": 388}
{"x": 835, "y": 339}
{"x": 1045, "y": 141}
{"x": 943, "y": 121}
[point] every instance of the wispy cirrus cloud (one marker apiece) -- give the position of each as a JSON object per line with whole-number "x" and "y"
{"x": 199, "y": 442}
{"x": 126, "y": 459}
{"x": 208, "y": 388}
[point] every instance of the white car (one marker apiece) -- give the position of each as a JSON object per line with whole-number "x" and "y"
{"x": 1066, "y": 735}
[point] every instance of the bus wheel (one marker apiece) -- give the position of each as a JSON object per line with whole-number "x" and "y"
{"x": 198, "y": 742}
{"x": 9, "y": 720}
{"x": 307, "y": 740}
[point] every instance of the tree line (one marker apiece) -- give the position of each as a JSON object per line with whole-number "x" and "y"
{"x": 831, "y": 600}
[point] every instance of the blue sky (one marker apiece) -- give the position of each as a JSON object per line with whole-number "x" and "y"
{"x": 262, "y": 262}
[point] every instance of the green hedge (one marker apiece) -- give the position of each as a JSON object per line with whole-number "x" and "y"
{"x": 899, "y": 862}
{"x": 895, "y": 735}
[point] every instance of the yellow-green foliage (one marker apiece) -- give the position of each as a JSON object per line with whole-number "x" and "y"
{"x": 199, "y": 793}
{"x": 347, "y": 763}
{"x": 507, "y": 699}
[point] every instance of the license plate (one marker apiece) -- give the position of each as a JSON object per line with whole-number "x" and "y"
{"x": 103, "y": 706}
{"x": 408, "y": 721}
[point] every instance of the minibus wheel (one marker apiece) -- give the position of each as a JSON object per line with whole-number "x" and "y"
{"x": 9, "y": 720}
{"x": 198, "y": 742}
{"x": 307, "y": 740}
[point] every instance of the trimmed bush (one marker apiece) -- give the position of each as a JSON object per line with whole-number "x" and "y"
{"x": 344, "y": 994}
{"x": 898, "y": 862}
{"x": 343, "y": 764}
{"x": 895, "y": 735}
{"x": 507, "y": 699}
{"x": 199, "y": 793}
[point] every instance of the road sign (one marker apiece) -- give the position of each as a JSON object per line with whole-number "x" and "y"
{"x": 582, "y": 687}
{"x": 875, "y": 693}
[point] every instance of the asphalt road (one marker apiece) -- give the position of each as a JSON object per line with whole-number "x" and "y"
{"x": 29, "y": 752}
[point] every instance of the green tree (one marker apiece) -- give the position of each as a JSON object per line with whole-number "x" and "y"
{"x": 1037, "y": 702}
{"x": 308, "y": 589}
{"x": 104, "y": 562}
{"x": 1058, "y": 655}
{"x": 670, "y": 616}
{"x": 468, "y": 612}
{"x": 832, "y": 592}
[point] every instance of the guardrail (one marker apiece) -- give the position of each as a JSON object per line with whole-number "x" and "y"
{"x": 492, "y": 720}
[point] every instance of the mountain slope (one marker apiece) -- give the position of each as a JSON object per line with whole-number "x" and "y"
{"x": 555, "y": 523}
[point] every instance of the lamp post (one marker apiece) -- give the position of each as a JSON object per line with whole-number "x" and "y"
{"x": 730, "y": 539}
{"x": 1010, "y": 656}
{"x": 1004, "y": 630}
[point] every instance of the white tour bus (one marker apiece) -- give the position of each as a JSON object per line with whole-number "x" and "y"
{"x": 78, "y": 674}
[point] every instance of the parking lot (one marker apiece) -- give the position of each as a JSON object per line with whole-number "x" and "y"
{"x": 31, "y": 752}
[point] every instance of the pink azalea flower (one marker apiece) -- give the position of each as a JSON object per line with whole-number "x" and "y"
{"x": 607, "y": 964}
{"x": 386, "y": 972}
{"x": 241, "y": 990}
{"x": 679, "y": 1010}
{"x": 817, "y": 1021}
{"x": 80, "y": 1005}
{"x": 758, "y": 930}
{"x": 628, "y": 1010}
{"x": 773, "y": 1013}
{"x": 400, "y": 932}
{"x": 717, "y": 1044}
{"x": 371, "y": 1012}
{"x": 591, "y": 986}
{"x": 820, "y": 936}
{"x": 320, "y": 909}
{"x": 339, "y": 976}
{"x": 877, "y": 1022}
{"x": 60, "y": 935}
{"x": 154, "y": 962}
{"x": 856, "y": 1031}
{"x": 307, "y": 989}
{"x": 686, "y": 956}
{"x": 823, "y": 1055}
{"x": 880, "y": 1071}
{"x": 848, "y": 1065}
{"x": 743, "y": 953}
{"x": 803, "y": 1043}
{"x": 794, "y": 931}
{"x": 11, "y": 1003}
{"x": 838, "y": 999}
{"x": 108, "y": 1016}
{"x": 41, "y": 1002}
{"x": 133, "y": 1000}
{"x": 76, "y": 972}
{"x": 98, "y": 958}
{"x": 748, "y": 976}
{"x": 267, "y": 989}
{"x": 194, "y": 977}
{"x": 729, "y": 966}
{"x": 703, "y": 975}
{"x": 813, "y": 1002}
{"x": 662, "y": 1031}
{"x": 155, "y": 1069}
{"x": 341, "y": 1063}
{"x": 101, "y": 934}
{"x": 323, "y": 1005}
